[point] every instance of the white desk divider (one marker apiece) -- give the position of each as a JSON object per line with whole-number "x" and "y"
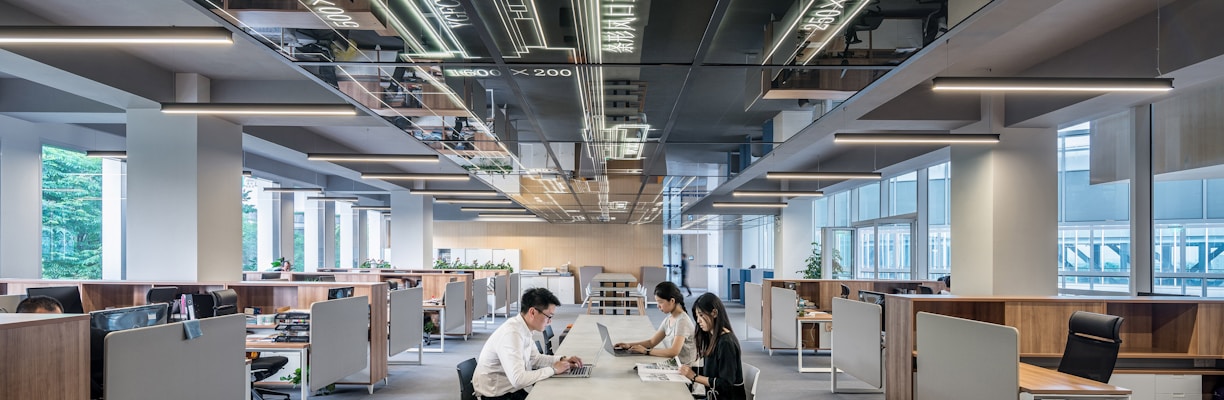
{"x": 752, "y": 308}
{"x": 480, "y": 300}
{"x": 783, "y": 318}
{"x": 407, "y": 317}
{"x": 145, "y": 362}
{"x": 512, "y": 298}
{"x": 857, "y": 346}
{"x": 965, "y": 359}
{"x": 338, "y": 340}
{"x": 501, "y": 291}
{"x": 455, "y": 298}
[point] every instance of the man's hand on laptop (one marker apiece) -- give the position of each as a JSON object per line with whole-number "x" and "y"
{"x": 561, "y": 366}
{"x": 575, "y": 362}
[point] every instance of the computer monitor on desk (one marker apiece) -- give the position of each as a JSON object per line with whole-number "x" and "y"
{"x": 877, "y": 298}
{"x": 117, "y": 319}
{"x": 68, "y": 296}
{"x": 340, "y": 293}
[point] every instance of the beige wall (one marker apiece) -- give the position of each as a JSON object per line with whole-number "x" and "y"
{"x": 618, "y": 248}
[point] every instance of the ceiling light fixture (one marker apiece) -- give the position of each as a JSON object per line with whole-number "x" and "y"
{"x": 822, "y": 175}
{"x": 775, "y": 193}
{"x": 372, "y": 157}
{"x": 333, "y": 198}
{"x": 106, "y": 154}
{"x": 260, "y": 109}
{"x": 416, "y": 177}
{"x": 372, "y": 208}
{"x": 724, "y": 204}
{"x": 474, "y": 201}
{"x": 292, "y": 190}
{"x": 492, "y": 209}
{"x": 917, "y": 138}
{"x": 509, "y": 215}
{"x": 446, "y": 192}
{"x": 1055, "y": 84}
{"x": 114, "y": 35}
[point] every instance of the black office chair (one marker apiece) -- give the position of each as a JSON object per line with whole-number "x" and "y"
{"x": 270, "y": 276}
{"x": 845, "y": 291}
{"x": 262, "y": 368}
{"x": 225, "y": 302}
{"x": 466, "y": 369}
{"x": 926, "y": 290}
{"x": 1093, "y": 341}
{"x": 164, "y": 294}
{"x": 548, "y": 336}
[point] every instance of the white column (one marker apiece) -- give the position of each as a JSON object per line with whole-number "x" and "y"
{"x": 1005, "y": 215}
{"x": 364, "y": 236}
{"x": 20, "y": 200}
{"x": 411, "y": 230}
{"x": 731, "y": 246}
{"x": 796, "y": 239}
{"x": 113, "y": 197}
{"x": 922, "y": 228}
{"x": 266, "y": 210}
{"x": 284, "y": 226}
{"x": 348, "y": 235}
{"x": 327, "y": 230}
{"x": 184, "y": 197}
{"x": 312, "y": 232}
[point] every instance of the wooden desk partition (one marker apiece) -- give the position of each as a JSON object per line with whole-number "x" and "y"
{"x": 821, "y": 292}
{"x": 46, "y": 356}
{"x": 1160, "y": 335}
{"x": 267, "y": 295}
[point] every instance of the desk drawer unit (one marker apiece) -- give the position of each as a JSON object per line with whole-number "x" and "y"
{"x": 1179, "y": 386}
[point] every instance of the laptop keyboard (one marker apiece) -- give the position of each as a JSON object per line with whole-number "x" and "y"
{"x": 586, "y": 369}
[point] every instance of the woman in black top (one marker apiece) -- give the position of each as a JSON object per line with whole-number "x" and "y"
{"x": 722, "y": 375}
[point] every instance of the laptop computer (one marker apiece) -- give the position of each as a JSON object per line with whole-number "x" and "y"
{"x": 585, "y": 371}
{"x": 603, "y": 333}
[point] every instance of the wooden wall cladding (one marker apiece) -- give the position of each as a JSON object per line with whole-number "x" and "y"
{"x": 618, "y": 248}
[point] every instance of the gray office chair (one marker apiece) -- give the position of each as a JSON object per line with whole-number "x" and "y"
{"x": 466, "y": 369}
{"x": 548, "y": 336}
{"x": 751, "y": 374}
{"x": 262, "y": 368}
{"x": 926, "y": 290}
{"x": 1093, "y": 341}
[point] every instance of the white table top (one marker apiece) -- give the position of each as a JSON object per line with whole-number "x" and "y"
{"x": 613, "y": 377}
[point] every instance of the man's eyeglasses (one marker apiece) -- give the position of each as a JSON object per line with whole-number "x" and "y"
{"x": 549, "y": 317}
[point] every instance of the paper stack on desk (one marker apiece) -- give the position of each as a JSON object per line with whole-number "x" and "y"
{"x": 666, "y": 371}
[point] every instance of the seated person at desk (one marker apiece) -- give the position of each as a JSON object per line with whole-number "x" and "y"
{"x": 509, "y": 361}
{"x": 723, "y": 373}
{"x": 676, "y": 331}
{"x": 97, "y": 339}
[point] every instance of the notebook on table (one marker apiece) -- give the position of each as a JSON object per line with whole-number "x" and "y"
{"x": 603, "y": 333}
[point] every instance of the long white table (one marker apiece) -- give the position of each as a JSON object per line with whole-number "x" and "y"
{"x": 613, "y": 377}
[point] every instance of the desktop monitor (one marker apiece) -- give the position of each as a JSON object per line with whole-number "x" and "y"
{"x": 117, "y": 319}
{"x": 68, "y": 296}
{"x": 225, "y": 302}
{"x": 340, "y": 293}
{"x": 868, "y": 296}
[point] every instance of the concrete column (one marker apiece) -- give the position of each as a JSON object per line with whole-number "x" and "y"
{"x": 348, "y": 235}
{"x": 411, "y": 230}
{"x": 375, "y": 229}
{"x": 1141, "y": 203}
{"x": 327, "y": 230}
{"x": 20, "y": 200}
{"x": 363, "y": 236}
{"x": 312, "y": 232}
{"x": 113, "y": 200}
{"x": 732, "y": 241}
{"x": 184, "y": 193}
{"x": 795, "y": 242}
{"x": 266, "y": 212}
{"x": 284, "y": 227}
{"x": 1005, "y": 214}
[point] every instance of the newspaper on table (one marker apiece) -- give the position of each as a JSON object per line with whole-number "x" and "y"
{"x": 663, "y": 371}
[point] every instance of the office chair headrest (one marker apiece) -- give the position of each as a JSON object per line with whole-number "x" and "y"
{"x": 1107, "y": 327}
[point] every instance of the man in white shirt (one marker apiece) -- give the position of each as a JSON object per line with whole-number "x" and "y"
{"x": 509, "y": 363}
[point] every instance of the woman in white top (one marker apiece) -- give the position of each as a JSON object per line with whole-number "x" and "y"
{"x": 676, "y": 332}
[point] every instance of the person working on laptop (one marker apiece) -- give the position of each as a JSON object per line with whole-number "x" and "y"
{"x": 676, "y": 331}
{"x": 509, "y": 362}
{"x": 716, "y": 343}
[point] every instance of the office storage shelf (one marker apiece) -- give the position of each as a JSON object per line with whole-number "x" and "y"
{"x": 1176, "y": 335}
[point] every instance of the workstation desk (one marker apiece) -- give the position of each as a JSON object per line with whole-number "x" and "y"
{"x": 613, "y": 378}
{"x": 59, "y": 343}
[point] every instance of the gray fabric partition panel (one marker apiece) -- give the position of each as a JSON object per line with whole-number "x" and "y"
{"x": 752, "y": 306}
{"x": 585, "y": 274}
{"x": 782, "y": 317}
{"x": 480, "y": 298}
{"x": 856, "y": 340}
{"x": 500, "y": 287}
{"x": 651, "y": 277}
{"x": 514, "y": 290}
{"x": 455, "y": 298}
{"x": 965, "y": 359}
{"x": 407, "y": 319}
{"x": 338, "y": 344}
{"x": 157, "y": 362}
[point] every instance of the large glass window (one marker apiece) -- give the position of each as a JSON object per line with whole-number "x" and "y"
{"x": 1093, "y": 234}
{"x": 71, "y": 215}
{"x": 868, "y": 197}
{"x": 250, "y": 225}
{"x": 939, "y": 226}
{"x": 903, "y": 194}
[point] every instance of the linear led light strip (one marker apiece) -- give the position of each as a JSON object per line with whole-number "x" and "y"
{"x": 916, "y": 138}
{"x": 372, "y": 157}
{"x": 259, "y": 109}
{"x": 786, "y": 33}
{"x": 333, "y": 198}
{"x": 1055, "y": 84}
{"x": 114, "y": 35}
{"x": 292, "y": 190}
{"x": 822, "y": 175}
{"x": 775, "y": 193}
{"x": 419, "y": 177}
{"x": 845, "y": 21}
{"x": 474, "y": 201}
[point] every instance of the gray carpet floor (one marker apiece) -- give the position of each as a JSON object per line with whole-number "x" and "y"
{"x": 437, "y": 378}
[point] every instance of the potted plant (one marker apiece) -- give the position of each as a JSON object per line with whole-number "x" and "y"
{"x": 814, "y": 262}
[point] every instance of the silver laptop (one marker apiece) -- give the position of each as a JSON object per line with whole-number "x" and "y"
{"x": 603, "y": 333}
{"x": 585, "y": 371}
{"x": 8, "y": 302}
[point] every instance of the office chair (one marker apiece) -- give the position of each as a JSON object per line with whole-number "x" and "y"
{"x": 225, "y": 302}
{"x": 270, "y": 276}
{"x": 1093, "y": 341}
{"x": 548, "y": 335}
{"x": 845, "y": 291}
{"x": 466, "y": 370}
{"x": 751, "y": 373}
{"x": 164, "y": 294}
{"x": 926, "y": 290}
{"x": 263, "y": 368}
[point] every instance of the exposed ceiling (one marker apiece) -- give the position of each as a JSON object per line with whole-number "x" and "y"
{"x": 585, "y": 111}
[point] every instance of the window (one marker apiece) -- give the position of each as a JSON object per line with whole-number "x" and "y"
{"x": 903, "y": 194}
{"x": 939, "y": 224}
{"x": 71, "y": 215}
{"x": 868, "y": 197}
{"x": 1094, "y": 233}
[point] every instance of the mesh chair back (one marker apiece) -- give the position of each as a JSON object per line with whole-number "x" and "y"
{"x": 751, "y": 373}
{"x": 845, "y": 291}
{"x": 466, "y": 369}
{"x": 548, "y": 336}
{"x": 1093, "y": 341}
